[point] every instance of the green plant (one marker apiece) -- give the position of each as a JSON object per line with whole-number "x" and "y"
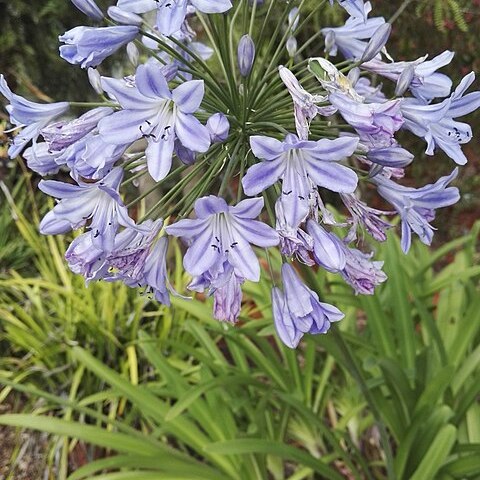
{"x": 219, "y": 402}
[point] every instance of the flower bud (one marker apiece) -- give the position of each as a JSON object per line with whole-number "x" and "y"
{"x": 133, "y": 54}
{"x": 404, "y": 80}
{"x": 218, "y": 127}
{"x": 246, "y": 55}
{"x": 377, "y": 42}
{"x": 126, "y": 18}
{"x": 293, "y": 18}
{"x": 95, "y": 80}
{"x": 89, "y": 8}
{"x": 354, "y": 75}
{"x": 292, "y": 46}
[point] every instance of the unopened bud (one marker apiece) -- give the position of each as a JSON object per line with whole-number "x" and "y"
{"x": 218, "y": 127}
{"x": 95, "y": 80}
{"x": 377, "y": 42}
{"x": 353, "y": 75}
{"x": 404, "y": 80}
{"x": 246, "y": 55}
{"x": 292, "y": 46}
{"x": 89, "y": 8}
{"x": 133, "y": 54}
{"x": 123, "y": 17}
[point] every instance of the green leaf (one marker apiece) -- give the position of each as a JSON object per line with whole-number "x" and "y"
{"x": 287, "y": 452}
{"x": 436, "y": 455}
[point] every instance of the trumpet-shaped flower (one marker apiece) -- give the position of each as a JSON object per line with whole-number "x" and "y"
{"x": 171, "y": 13}
{"x": 98, "y": 202}
{"x": 300, "y": 164}
{"x": 424, "y": 81}
{"x": 89, "y": 46}
{"x": 30, "y": 115}
{"x": 353, "y": 37}
{"x": 150, "y": 110}
{"x": 416, "y": 206}
{"x": 222, "y": 233}
{"x": 298, "y": 310}
{"x": 436, "y": 122}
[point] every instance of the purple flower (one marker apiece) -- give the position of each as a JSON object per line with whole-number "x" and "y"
{"x": 436, "y": 122}
{"x": 223, "y": 234}
{"x": 218, "y": 127}
{"x": 300, "y": 165}
{"x": 422, "y": 80}
{"x": 40, "y": 159}
{"x": 416, "y": 206}
{"x": 30, "y": 115}
{"x": 355, "y": 8}
{"x": 304, "y": 103}
{"x": 219, "y": 256}
{"x": 100, "y": 202}
{"x": 171, "y": 13}
{"x": 352, "y": 38}
{"x": 361, "y": 273}
{"x": 61, "y": 135}
{"x": 139, "y": 259}
{"x": 88, "y": 46}
{"x": 228, "y": 299}
{"x": 327, "y": 248}
{"x": 293, "y": 240}
{"x": 91, "y": 157}
{"x": 152, "y": 111}
{"x": 367, "y": 217}
{"x": 375, "y": 122}
{"x": 246, "y": 55}
{"x": 86, "y": 259}
{"x": 299, "y": 311}
{"x": 89, "y": 8}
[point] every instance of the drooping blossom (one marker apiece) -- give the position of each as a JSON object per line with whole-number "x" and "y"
{"x": 367, "y": 217}
{"x": 424, "y": 81}
{"x": 89, "y": 46}
{"x": 30, "y": 116}
{"x": 416, "y": 206}
{"x": 355, "y": 8}
{"x": 361, "y": 273}
{"x": 352, "y": 38}
{"x": 327, "y": 248}
{"x": 436, "y": 122}
{"x": 150, "y": 110}
{"x": 98, "y": 202}
{"x": 298, "y": 310}
{"x": 374, "y": 122}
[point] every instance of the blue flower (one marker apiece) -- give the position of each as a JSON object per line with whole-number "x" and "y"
{"x": 219, "y": 256}
{"x": 301, "y": 165}
{"x": 436, "y": 122}
{"x": 89, "y": 8}
{"x": 352, "y": 38}
{"x": 98, "y": 202}
{"x": 424, "y": 81}
{"x": 89, "y": 46}
{"x": 152, "y": 111}
{"x": 171, "y": 13}
{"x": 355, "y": 8}
{"x": 299, "y": 311}
{"x": 30, "y": 115}
{"x": 416, "y": 206}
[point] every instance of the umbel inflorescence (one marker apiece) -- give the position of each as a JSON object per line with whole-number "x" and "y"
{"x": 241, "y": 147}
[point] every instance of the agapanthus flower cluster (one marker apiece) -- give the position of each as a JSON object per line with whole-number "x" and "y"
{"x": 218, "y": 137}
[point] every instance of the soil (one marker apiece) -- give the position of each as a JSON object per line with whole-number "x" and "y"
{"x": 22, "y": 454}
